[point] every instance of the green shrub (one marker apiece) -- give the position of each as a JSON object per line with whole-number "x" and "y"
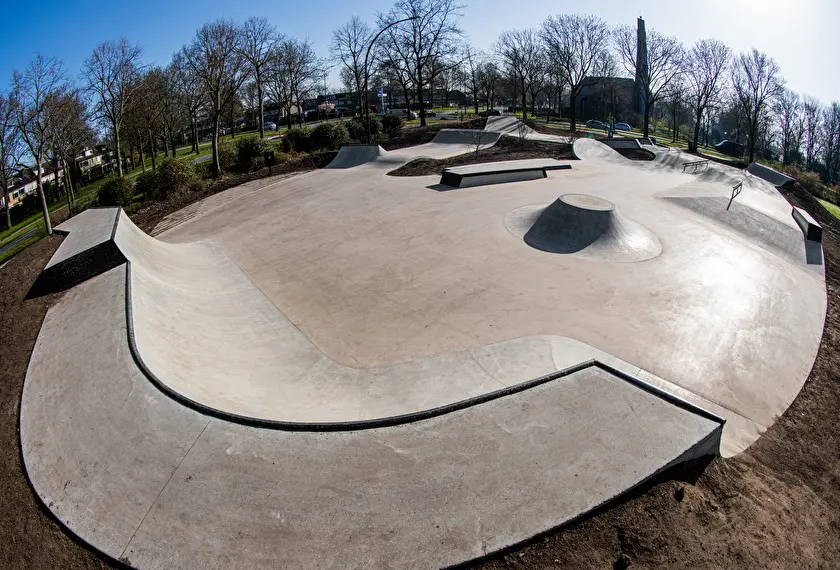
{"x": 146, "y": 183}
{"x": 329, "y": 135}
{"x": 298, "y": 140}
{"x": 173, "y": 176}
{"x": 356, "y": 129}
{"x": 116, "y": 192}
{"x": 203, "y": 170}
{"x": 228, "y": 157}
{"x": 249, "y": 152}
{"x": 391, "y": 124}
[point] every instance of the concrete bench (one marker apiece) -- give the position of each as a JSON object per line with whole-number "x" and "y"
{"x": 810, "y": 227}
{"x": 500, "y": 172}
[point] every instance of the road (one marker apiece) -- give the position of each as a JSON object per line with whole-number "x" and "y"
{"x": 24, "y": 236}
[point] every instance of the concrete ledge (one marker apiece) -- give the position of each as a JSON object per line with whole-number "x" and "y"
{"x": 774, "y": 177}
{"x": 810, "y": 227}
{"x": 88, "y": 250}
{"x": 499, "y": 172}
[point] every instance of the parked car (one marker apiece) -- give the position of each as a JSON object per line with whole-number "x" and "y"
{"x": 490, "y": 113}
{"x": 270, "y": 126}
{"x": 593, "y": 124}
{"x": 730, "y": 147}
{"x": 430, "y": 113}
{"x": 622, "y": 127}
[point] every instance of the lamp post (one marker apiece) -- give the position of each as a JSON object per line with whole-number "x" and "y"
{"x": 367, "y": 55}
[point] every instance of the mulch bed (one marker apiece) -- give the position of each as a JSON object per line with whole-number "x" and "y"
{"x": 776, "y": 505}
{"x": 508, "y": 148}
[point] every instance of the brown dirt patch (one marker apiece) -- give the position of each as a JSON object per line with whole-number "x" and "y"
{"x": 508, "y": 148}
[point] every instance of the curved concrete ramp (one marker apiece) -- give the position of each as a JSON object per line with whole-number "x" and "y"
{"x": 586, "y": 226}
{"x": 156, "y": 485}
{"x": 591, "y": 149}
{"x": 354, "y": 155}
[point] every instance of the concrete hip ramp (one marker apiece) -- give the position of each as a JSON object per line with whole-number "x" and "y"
{"x": 354, "y": 155}
{"x": 586, "y": 226}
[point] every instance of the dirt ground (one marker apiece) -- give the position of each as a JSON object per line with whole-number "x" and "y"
{"x": 508, "y": 148}
{"x": 775, "y": 506}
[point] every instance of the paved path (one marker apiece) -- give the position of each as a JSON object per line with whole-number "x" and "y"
{"x": 24, "y": 236}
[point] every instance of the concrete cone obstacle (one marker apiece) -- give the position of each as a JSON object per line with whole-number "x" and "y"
{"x": 585, "y": 226}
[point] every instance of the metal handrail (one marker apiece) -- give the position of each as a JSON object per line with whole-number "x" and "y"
{"x": 695, "y": 164}
{"x": 735, "y": 191}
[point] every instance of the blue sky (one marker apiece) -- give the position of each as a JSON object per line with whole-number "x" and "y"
{"x": 804, "y": 40}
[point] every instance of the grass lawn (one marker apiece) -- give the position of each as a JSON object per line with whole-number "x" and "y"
{"x": 833, "y": 209}
{"x": 18, "y": 247}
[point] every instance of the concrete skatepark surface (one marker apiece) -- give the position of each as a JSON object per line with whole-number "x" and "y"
{"x": 401, "y": 298}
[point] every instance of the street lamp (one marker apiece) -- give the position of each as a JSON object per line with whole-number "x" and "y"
{"x": 367, "y": 73}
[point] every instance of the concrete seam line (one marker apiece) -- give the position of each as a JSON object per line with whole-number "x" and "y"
{"x": 387, "y": 421}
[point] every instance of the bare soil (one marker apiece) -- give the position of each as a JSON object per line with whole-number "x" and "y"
{"x": 508, "y": 148}
{"x": 777, "y": 505}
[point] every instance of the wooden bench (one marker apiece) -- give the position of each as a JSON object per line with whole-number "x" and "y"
{"x": 500, "y": 172}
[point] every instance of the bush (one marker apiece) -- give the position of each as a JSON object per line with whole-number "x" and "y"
{"x": 228, "y": 157}
{"x": 146, "y": 183}
{"x": 249, "y": 153}
{"x": 391, "y": 124}
{"x": 203, "y": 170}
{"x": 298, "y": 140}
{"x": 330, "y": 135}
{"x": 116, "y": 192}
{"x": 173, "y": 176}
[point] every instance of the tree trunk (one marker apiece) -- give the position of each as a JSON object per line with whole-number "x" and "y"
{"x": 8, "y": 205}
{"x": 573, "y": 110}
{"x": 153, "y": 150}
{"x": 647, "y": 122}
{"x": 697, "y": 128}
{"x": 119, "y": 152}
{"x": 217, "y": 166}
{"x": 47, "y": 223}
{"x": 142, "y": 158}
{"x": 524, "y": 103}
{"x": 260, "y": 105}
{"x": 421, "y": 106}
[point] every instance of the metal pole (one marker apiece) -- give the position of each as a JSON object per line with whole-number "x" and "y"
{"x": 367, "y": 55}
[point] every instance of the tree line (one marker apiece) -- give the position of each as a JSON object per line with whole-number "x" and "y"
{"x": 418, "y": 49}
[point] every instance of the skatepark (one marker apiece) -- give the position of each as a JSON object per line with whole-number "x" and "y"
{"x": 345, "y": 368}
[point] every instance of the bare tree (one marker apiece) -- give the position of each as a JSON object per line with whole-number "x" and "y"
{"x": 69, "y": 133}
{"x": 293, "y": 71}
{"x": 787, "y": 109}
{"x": 812, "y": 113}
{"x": 257, "y": 39}
{"x": 488, "y": 79}
{"x": 430, "y": 35}
{"x": 32, "y": 89}
{"x": 110, "y": 75}
{"x": 187, "y": 88}
{"x": 756, "y": 81}
{"x": 705, "y": 63}
{"x": 663, "y": 64}
{"x": 349, "y": 44}
{"x": 472, "y": 73}
{"x": 576, "y": 44}
{"x": 522, "y": 55}
{"x": 10, "y": 151}
{"x": 215, "y": 58}
{"x": 831, "y": 141}
{"x": 675, "y": 100}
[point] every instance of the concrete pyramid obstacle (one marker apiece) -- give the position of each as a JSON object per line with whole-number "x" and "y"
{"x": 586, "y": 226}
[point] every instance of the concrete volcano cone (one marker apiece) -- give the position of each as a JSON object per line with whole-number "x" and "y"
{"x": 585, "y": 226}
